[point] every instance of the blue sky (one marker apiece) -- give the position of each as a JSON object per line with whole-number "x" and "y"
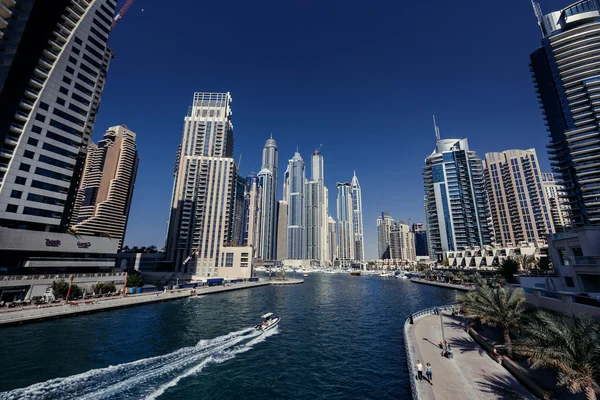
{"x": 362, "y": 78}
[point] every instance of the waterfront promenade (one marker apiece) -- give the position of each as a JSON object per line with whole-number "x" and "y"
{"x": 441, "y": 284}
{"x": 470, "y": 374}
{"x": 17, "y": 316}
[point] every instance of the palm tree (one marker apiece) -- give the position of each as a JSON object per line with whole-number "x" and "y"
{"x": 572, "y": 346}
{"x": 508, "y": 269}
{"x": 495, "y": 306}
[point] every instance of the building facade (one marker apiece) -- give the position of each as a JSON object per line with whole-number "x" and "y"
{"x": 566, "y": 72}
{"x": 518, "y": 203}
{"x": 296, "y": 213}
{"x": 456, "y": 200}
{"x": 332, "y": 240}
{"x": 421, "y": 246}
{"x": 268, "y": 183}
{"x": 357, "y": 220}
{"x": 203, "y": 206}
{"x": 317, "y": 211}
{"x": 557, "y": 202}
{"x": 402, "y": 242}
{"x": 104, "y": 196}
{"x": 54, "y": 63}
{"x": 384, "y": 224}
{"x": 345, "y": 225}
{"x": 252, "y": 214}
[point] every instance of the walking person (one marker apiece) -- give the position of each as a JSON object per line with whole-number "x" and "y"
{"x": 419, "y": 370}
{"x": 429, "y": 374}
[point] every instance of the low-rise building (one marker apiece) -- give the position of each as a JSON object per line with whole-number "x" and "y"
{"x": 490, "y": 257}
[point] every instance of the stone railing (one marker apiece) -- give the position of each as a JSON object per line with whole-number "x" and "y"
{"x": 410, "y": 347}
{"x": 60, "y": 276}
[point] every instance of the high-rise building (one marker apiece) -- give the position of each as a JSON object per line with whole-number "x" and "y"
{"x": 296, "y": 213}
{"x": 282, "y": 221}
{"x": 421, "y": 246}
{"x": 345, "y": 221}
{"x": 106, "y": 189}
{"x": 402, "y": 242}
{"x": 557, "y": 202}
{"x": 268, "y": 182}
{"x": 519, "y": 207}
{"x": 252, "y": 213}
{"x": 357, "y": 220}
{"x": 384, "y": 224}
{"x": 456, "y": 198}
{"x": 332, "y": 240}
{"x": 317, "y": 211}
{"x": 52, "y": 74}
{"x": 565, "y": 70}
{"x": 203, "y": 207}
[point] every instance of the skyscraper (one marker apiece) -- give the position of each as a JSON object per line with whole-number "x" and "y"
{"x": 296, "y": 213}
{"x": 332, "y": 240}
{"x": 106, "y": 189}
{"x": 268, "y": 182}
{"x": 402, "y": 242}
{"x": 345, "y": 221}
{"x": 317, "y": 211}
{"x": 384, "y": 224}
{"x": 359, "y": 245}
{"x": 557, "y": 202}
{"x": 518, "y": 204}
{"x": 252, "y": 213}
{"x": 566, "y": 69}
{"x": 52, "y": 74}
{"x": 456, "y": 199}
{"x": 421, "y": 246}
{"x": 204, "y": 195}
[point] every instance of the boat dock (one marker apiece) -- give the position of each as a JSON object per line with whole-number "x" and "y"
{"x": 441, "y": 284}
{"x": 21, "y": 315}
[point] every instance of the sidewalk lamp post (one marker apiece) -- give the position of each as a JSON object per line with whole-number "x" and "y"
{"x": 442, "y": 325}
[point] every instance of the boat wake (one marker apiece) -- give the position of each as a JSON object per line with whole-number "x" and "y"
{"x": 146, "y": 378}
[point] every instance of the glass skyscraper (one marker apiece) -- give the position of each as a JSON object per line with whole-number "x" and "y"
{"x": 456, "y": 198}
{"x": 566, "y": 71}
{"x": 296, "y": 215}
{"x": 359, "y": 245}
{"x": 268, "y": 217}
{"x": 345, "y": 221}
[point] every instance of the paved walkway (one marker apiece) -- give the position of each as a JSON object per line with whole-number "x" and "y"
{"x": 471, "y": 374}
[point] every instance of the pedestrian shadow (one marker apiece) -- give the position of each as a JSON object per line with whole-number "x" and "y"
{"x": 436, "y": 345}
{"x": 465, "y": 345}
{"x": 503, "y": 387}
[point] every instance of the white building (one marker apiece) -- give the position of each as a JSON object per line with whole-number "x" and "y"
{"x": 402, "y": 242}
{"x": 345, "y": 218}
{"x": 204, "y": 192}
{"x": 490, "y": 257}
{"x": 317, "y": 211}
{"x": 557, "y": 201}
{"x": 357, "y": 220}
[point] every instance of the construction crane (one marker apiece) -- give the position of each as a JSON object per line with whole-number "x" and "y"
{"x": 122, "y": 12}
{"x": 187, "y": 260}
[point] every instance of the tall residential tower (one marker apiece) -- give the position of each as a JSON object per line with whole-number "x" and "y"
{"x": 52, "y": 74}
{"x": 345, "y": 225}
{"x": 359, "y": 245}
{"x": 296, "y": 212}
{"x": 268, "y": 182}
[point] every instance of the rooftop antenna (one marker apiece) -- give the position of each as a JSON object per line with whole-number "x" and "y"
{"x": 437, "y": 130}
{"x": 271, "y": 135}
{"x": 319, "y": 149}
{"x": 239, "y": 162}
{"x": 539, "y": 15}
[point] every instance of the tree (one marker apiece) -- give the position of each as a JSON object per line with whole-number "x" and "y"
{"x": 544, "y": 264}
{"x": 152, "y": 249}
{"x": 125, "y": 249}
{"x": 508, "y": 269}
{"x": 495, "y": 306}
{"x": 60, "y": 289}
{"x": 135, "y": 280}
{"x": 527, "y": 262}
{"x": 104, "y": 287}
{"x": 135, "y": 249}
{"x": 571, "y": 346}
{"x": 445, "y": 262}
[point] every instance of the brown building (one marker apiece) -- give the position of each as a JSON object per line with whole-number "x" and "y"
{"x": 104, "y": 195}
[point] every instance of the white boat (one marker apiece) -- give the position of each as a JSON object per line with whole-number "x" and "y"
{"x": 305, "y": 274}
{"x": 270, "y": 320}
{"x": 401, "y": 276}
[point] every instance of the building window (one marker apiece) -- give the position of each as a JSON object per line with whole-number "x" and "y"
{"x": 40, "y": 117}
{"x": 569, "y": 281}
{"x": 577, "y": 252}
{"x": 67, "y": 80}
{"x": 60, "y": 101}
{"x": 64, "y": 90}
{"x": 28, "y": 154}
{"x": 41, "y": 213}
{"x": 24, "y": 167}
{"x": 75, "y": 50}
{"x": 229, "y": 259}
{"x": 43, "y": 106}
{"x": 11, "y": 208}
{"x": 16, "y": 194}
{"x": 561, "y": 256}
{"x": 36, "y": 129}
{"x": 73, "y": 60}
{"x": 32, "y": 141}
{"x": 78, "y": 41}
{"x": 19, "y": 180}
{"x": 70, "y": 70}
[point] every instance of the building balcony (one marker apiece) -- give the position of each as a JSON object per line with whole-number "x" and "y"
{"x": 16, "y": 128}
{"x": 26, "y": 104}
{"x": 32, "y": 94}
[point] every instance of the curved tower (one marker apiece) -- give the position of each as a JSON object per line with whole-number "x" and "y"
{"x": 268, "y": 181}
{"x": 359, "y": 245}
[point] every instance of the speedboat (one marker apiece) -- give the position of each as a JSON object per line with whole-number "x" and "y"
{"x": 270, "y": 320}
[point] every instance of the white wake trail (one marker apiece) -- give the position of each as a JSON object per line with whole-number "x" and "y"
{"x": 145, "y": 377}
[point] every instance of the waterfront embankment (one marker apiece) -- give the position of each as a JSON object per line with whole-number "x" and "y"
{"x": 470, "y": 374}
{"x": 17, "y": 316}
{"x": 441, "y": 284}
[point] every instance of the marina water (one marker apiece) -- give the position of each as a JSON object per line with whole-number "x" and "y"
{"x": 340, "y": 337}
